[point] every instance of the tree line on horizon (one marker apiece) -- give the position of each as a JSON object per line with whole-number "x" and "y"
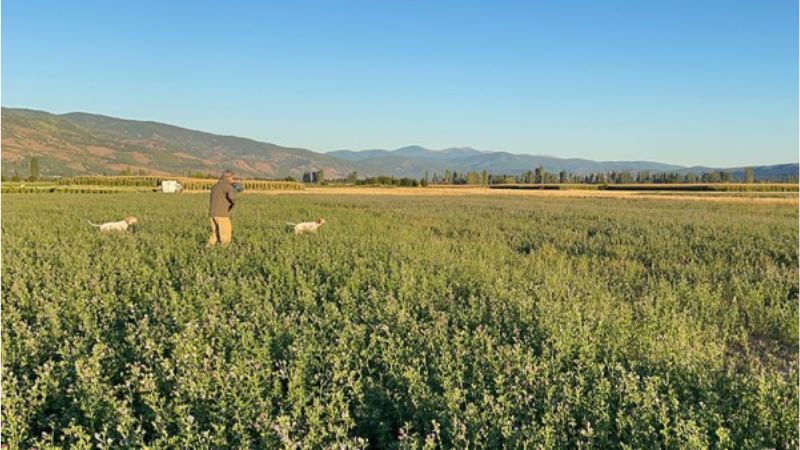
{"x": 452, "y": 177}
{"x": 540, "y": 176}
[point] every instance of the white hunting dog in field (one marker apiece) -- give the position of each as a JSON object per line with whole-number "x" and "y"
{"x": 306, "y": 227}
{"x": 122, "y": 225}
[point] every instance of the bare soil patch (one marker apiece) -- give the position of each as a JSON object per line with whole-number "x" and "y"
{"x": 790, "y": 198}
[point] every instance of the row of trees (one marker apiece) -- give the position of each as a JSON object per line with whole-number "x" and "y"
{"x": 541, "y": 176}
{"x": 536, "y": 176}
{"x": 317, "y": 176}
{"x": 353, "y": 179}
{"x": 34, "y": 172}
{"x": 127, "y": 172}
{"x": 391, "y": 181}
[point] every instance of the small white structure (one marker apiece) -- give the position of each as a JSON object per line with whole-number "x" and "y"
{"x": 171, "y": 187}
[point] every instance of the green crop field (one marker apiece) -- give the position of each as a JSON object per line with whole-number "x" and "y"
{"x": 408, "y": 322}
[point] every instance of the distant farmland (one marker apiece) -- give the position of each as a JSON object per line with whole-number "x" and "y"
{"x": 670, "y": 187}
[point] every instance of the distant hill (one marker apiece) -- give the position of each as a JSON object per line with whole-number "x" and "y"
{"x": 415, "y": 160}
{"x": 81, "y": 144}
{"x": 773, "y": 172}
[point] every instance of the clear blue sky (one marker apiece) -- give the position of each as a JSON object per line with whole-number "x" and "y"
{"x": 689, "y": 82}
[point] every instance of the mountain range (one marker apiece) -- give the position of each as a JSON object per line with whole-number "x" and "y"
{"x": 418, "y": 159}
{"x": 81, "y": 144}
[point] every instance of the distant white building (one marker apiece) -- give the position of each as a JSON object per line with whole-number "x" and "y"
{"x": 171, "y": 187}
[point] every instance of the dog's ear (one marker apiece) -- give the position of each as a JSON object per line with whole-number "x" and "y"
{"x": 319, "y": 220}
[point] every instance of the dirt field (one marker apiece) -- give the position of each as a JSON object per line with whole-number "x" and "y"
{"x": 727, "y": 197}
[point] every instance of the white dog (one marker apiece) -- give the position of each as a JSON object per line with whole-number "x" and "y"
{"x": 306, "y": 227}
{"x": 122, "y": 225}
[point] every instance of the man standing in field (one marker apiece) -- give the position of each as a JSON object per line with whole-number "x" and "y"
{"x": 220, "y": 210}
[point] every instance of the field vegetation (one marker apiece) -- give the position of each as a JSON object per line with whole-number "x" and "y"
{"x": 408, "y": 322}
{"x": 117, "y": 184}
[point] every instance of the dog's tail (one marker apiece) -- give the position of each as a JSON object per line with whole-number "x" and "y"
{"x": 93, "y": 224}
